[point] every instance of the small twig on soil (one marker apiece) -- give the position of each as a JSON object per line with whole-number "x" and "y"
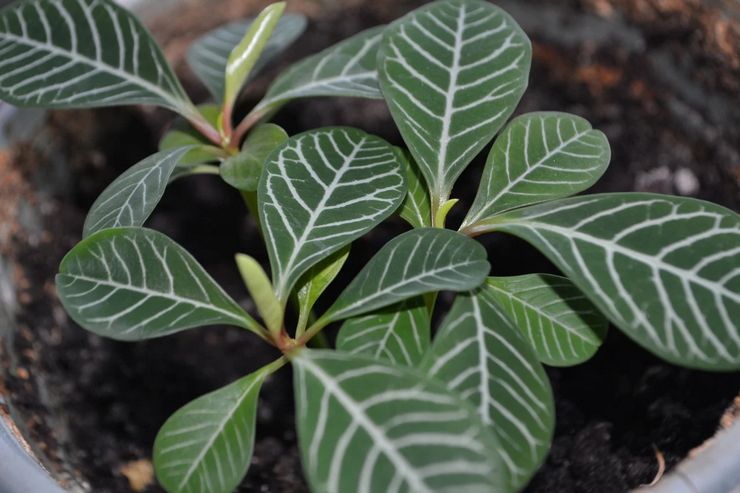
{"x": 661, "y": 468}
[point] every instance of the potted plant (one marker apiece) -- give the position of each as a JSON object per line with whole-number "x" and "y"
{"x": 127, "y": 282}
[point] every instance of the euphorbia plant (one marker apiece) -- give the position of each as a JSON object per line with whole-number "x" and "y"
{"x": 390, "y": 409}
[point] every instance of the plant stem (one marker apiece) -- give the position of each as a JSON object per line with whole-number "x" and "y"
{"x": 312, "y": 331}
{"x": 204, "y": 169}
{"x": 275, "y": 365}
{"x": 205, "y": 128}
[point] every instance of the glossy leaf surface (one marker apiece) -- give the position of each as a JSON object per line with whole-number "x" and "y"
{"x": 479, "y": 354}
{"x": 665, "y": 270}
{"x": 136, "y": 283}
{"x": 415, "y": 209}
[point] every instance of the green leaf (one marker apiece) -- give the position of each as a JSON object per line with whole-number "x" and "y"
{"x": 131, "y": 198}
{"x": 246, "y": 53}
{"x": 452, "y": 73}
{"x": 416, "y": 262}
{"x": 557, "y": 319}
{"x": 82, "y": 53}
{"x": 243, "y": 171}
{"x": 480, "y": 355}
{"x": 199, "y": 153}
{"x": 321, "y": 190}
{"x": 663, "y": 269}
{"x": 136, "y": 283}
{"x": 415, "y": 209}
{"x": 538, "y": 157}
{"x": 366, "y": 427}
{"x": 316, "y": 279}
{"x": 207, "y": 444}
{"x": 260, "y": 288}
{"x": 208, "y": 55}
{"x": 345, "y": 69}
{"x": 399, "y": 333}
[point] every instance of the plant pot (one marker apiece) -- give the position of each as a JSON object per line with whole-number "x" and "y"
{"x": 89, "y": 408}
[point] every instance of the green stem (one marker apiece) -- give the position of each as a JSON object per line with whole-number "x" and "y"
{"x": 204, "y": 169}
{"x": 319, "y": 342}
{"x": 314, "y": 329}
{"x": 275, "y": 365}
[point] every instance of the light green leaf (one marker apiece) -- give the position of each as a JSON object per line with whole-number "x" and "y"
{"x": 345, "y": 69}
{"x": 452, "y": 73}
{"x": 243, "y": 171}
{"x": 398, "y": 333}
{"x": 321, "y": 190}
{"x": 665, "y": 270}
{"x": 557, "y": 319}
{"x": 538, "y": 157}
{"x": 260, "y": 289}
{"x": 246, "y": 53}
{"x": 416, "y": 262}
{"x": 136, "y": 283}
{"x": 82, "y": 53}
{"x": 366, "y": 427}
{"x": 207, "y": 444}
{"x": 479, "y": 354}
{"x": 316, "y": 279}
{"x": 131, "y": 198}
{"x": 208, "y": 55}
{"x": 415, "y": 209}
{"x": 199, "y": 153}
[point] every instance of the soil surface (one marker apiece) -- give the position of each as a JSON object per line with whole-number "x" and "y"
{"x": 658, "y": 77}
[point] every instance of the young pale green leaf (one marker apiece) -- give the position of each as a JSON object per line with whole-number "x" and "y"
{"x": 663, "y": 269}
{"x": 131, "y": 198}
{"x": 413, "y": 263}
{"x": 452, "y": 73}
{"x": 366, "y": 426}
{"x": 82, "y": 53}
{"x": 479, "y": 354}
{"x": 199, "y": 153}
{"x": 208, "y": 55}
{"x": 136, "y": 283}
{"x": 246, "y": 53}
{"x": 207, "y": 444}
{"x": 321, "y": 190}
{"x": 260, "y": 288}
{"x": 415, "y": 209}
{"x": 539, "y": 156}
{"x": 399, "y": 333}
{"x": 243, "y": 171}
{"x": 345, "y": 69}
{"x": 316, "y": 279}
{"x": 557, "y": 319}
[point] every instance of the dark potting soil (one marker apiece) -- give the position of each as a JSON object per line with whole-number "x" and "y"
{"x": 92, "y": 406}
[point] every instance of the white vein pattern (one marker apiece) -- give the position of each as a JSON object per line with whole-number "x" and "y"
{"x": 557, "y": 319}
{"x": 82, "y": 53}
{"x": 206, "y": 446}
{"x": 452, "y": 73}
{"x": 399, "y": 334}
{"x": 136, "y": 283}
{"x": 208, "y": 55}
{"x": 345, "y": 69}
{"x": 539, "y": 156}
{"x": 321, "y": 190}
{"x": 416, "y": 262}
{"x": 666, "y": 270}
{"x": 480, "y": 355}
{"x": 366, "y": 426}
{"x": 131, "y": 198}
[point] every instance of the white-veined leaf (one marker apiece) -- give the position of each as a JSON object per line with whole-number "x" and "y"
{"x": 413, "y": 263}
{"x": 415, "y": 209}
{"x": 399, "y": 333}
{"x": 345, "y": 69}
{"x": 312, "y": 284}
{"x": 539, "y": 156}
{"x": 136, "y": 283}
{"x": 479, "y": 354}
{"x": 319, "y": 191}
{"x": 452, "y": 73}
{"x": 82, "y": 53}
{"x": 207, "y": 56}
{"x": 366, "y": 427}
{"x": 665, "y": 270}
{"x": 557, "y": 319}
{"x": 207, "y": 444}
{"x": 131, "y": 198}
